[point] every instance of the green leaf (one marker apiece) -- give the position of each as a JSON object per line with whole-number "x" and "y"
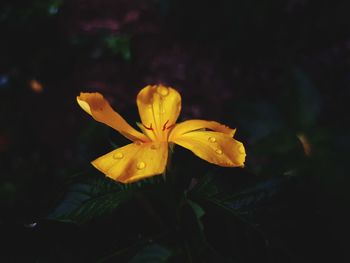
{"x": 86, "y": 201}
{"x": 251, "y": 198}
{"x": 205, "y": 187}
{"x": 152, "y": 254}
{"x": 197, "y": 209}
{"x": 243, "y": 200}
{"x": 193, "y": 220}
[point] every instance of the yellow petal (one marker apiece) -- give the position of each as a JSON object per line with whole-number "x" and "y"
{"x": 159, "y": 108}
{"x": 215, "y": 147}
{"x": 134, "y": 161}
{"x": 192, "y": 125}
{"x": 98, "y": 107}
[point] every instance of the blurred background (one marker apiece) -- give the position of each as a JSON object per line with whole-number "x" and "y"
{"x": 276, "y": 70}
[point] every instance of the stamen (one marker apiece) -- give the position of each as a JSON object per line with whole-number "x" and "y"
{"x": 171, "y": 126}
{"x": 148, "y": 128}
{"x": 164, "y": 126}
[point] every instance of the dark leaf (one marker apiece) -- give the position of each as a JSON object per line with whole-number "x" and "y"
{"x": 152, "y": 254}
{"x": 86, "y": 201}
{"x": 246, "y": 199}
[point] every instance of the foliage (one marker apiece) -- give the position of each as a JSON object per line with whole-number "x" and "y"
{"x": 85, "y": 201}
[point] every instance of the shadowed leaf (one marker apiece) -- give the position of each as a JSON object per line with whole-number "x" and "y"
{"x": 152, "y": 254}
{"x": 86, "y": 201}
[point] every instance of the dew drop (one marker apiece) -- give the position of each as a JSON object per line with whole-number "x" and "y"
{"x": 154, "y": 147}
{"x": 118, "y": 155}
{"x": 218, "y": 151}
{"x": 163, "y": 91}
{"x": 212, "y": 139}
{"x": 138, "y": 143}
{"x": 140, "y": 165}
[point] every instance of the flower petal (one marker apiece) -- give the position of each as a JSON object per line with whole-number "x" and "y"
{"x": 98, "y": 107}
{"x": 159, "y": 108}
{"x": 192, "y": 125}
{"x": 215, "y": 147}
{"x": 134, "y": 161}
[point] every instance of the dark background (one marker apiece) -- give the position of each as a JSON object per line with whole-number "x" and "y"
{"x": 274, "y": 69}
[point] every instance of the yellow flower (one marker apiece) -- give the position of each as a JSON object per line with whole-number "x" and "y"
{"x": 159, "y": 108}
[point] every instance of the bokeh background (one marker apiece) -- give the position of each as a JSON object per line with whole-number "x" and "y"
{"x": 276, "y": 70}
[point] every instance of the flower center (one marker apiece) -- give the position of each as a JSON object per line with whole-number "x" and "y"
{"x": 165, "y": 127}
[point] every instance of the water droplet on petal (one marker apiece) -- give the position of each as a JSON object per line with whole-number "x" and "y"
{"x": 218, "y": 151}
{"x": 154, "y": 147}
{"x": 118, "y": 155}
{"x": 140, "y": 165}
{"x": 163, "y": 91}
{"x": 212, "y": 139}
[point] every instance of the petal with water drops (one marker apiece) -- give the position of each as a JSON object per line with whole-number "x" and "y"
{"x": 193, "y": 125}
{"x": 159, "y": 107}
{"x": 134, "y": 161}
{"x": 215, "y": 147}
